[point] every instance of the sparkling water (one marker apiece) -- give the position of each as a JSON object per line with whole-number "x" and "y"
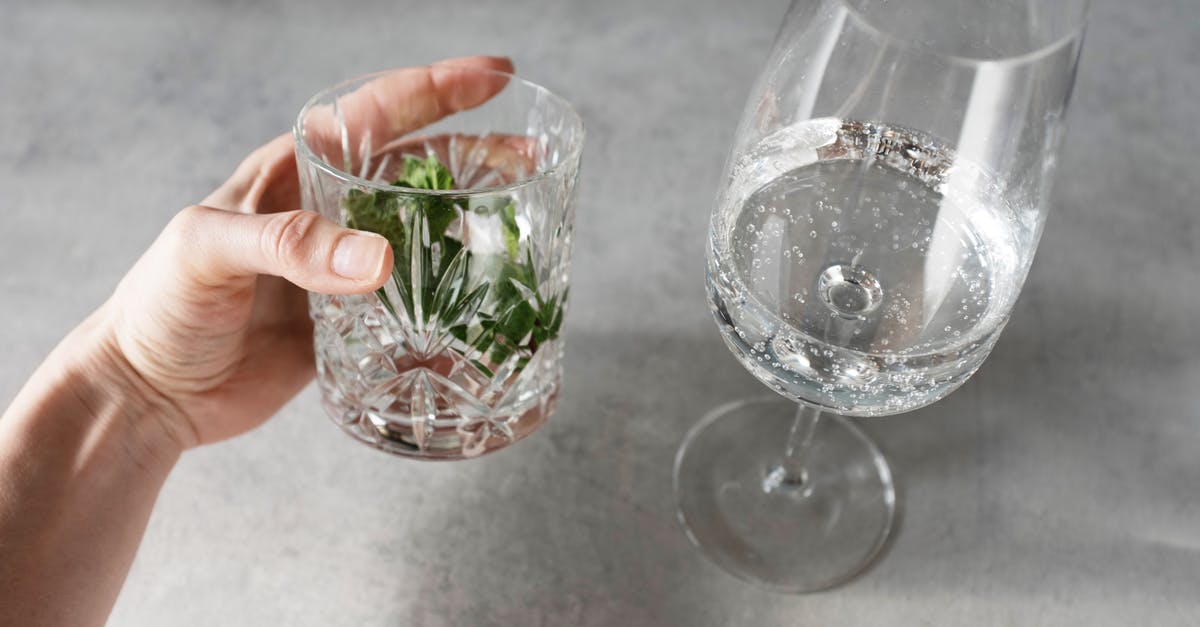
{"x": 862, "y": 267}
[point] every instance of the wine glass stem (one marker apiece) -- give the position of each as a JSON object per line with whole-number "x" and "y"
{"x": 799, "y": 440}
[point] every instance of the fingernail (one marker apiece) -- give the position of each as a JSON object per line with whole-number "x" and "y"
{"x": 358, "y": 256}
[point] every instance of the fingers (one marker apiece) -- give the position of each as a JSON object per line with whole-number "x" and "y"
{"x": 380, "y": 111}
{"x": 269, "y": 171}
{"x": 399, "y": 102}
{"x": 217, "y": 247}
{"x": 459, "y": 87}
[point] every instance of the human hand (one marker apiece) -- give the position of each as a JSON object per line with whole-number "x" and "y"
{"x": 212, "y": 320}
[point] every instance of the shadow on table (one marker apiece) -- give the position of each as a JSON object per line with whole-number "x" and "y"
{"x": 1007, "y": 487}
{"x": 576, "y": 525}
{"x": 1066, "y": 463}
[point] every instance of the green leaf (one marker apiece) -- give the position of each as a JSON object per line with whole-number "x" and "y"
{"x": 450, "y": 250}
{"x": 529, "y": 267}
{"x": 441, "y": 213}
{"x": 375, "y": 212}
{"x": 516, "y": 323}
{"x": 452, "y": 281}
{"x": 555, "y": 324}
{"x": 506, "y": 292}
{"x": 541, "y": 327}
{"x": 466, "y": 307}
{"x": 429, "y": 173}
{"x": 400, "y": 282}
{"x": 500, "y": 352}
{"x": 387, "y": 302}
{"x": 482, "y": 368}
{"x": 557, "y": 318}
{"x": 512, "y": 231}
{"x": 432, "y": 276}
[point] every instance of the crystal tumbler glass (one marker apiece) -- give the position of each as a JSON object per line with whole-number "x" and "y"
{"x": 459, "y": 353}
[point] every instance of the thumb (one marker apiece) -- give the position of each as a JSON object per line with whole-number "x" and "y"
{"x": 301, "y": 246}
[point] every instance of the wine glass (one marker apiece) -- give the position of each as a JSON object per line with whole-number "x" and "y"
{"x": 882, "y": 202}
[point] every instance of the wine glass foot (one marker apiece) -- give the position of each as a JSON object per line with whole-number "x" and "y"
{"x": 783, "y": 532}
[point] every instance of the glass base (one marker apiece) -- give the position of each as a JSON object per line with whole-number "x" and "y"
{"x": 739, "y": 507}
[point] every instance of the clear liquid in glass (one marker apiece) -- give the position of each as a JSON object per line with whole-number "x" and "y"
{"x": 863, "y": 267}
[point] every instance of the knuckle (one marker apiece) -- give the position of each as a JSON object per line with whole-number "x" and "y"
{"x": 290, "y": 237}
{"x": 188, "y": 218}
{"x": 185, "y": 225}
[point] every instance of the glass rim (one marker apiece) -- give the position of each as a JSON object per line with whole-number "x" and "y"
{"x": 303, "y": 150}
{"x": 1075, "y": 31}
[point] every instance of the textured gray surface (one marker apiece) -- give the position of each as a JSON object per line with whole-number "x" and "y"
{"x": 1059, "y": 486}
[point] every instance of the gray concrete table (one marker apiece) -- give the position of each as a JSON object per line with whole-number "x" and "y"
{"x": 1060, "y": 486}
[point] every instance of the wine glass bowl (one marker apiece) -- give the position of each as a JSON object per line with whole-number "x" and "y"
{"x": 882, "y": 203}
{"x": 862, "y": 282}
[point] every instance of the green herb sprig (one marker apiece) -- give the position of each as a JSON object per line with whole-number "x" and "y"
{"x": 441, "y": 294}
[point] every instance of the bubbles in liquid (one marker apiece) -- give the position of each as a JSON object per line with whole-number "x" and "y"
{"x": 850, "y": 291}
{"x": 913, "y": 272}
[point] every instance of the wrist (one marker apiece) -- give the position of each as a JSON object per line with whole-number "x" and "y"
{"x": 86, "y": 392}
{"x": 146, "y": 420}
